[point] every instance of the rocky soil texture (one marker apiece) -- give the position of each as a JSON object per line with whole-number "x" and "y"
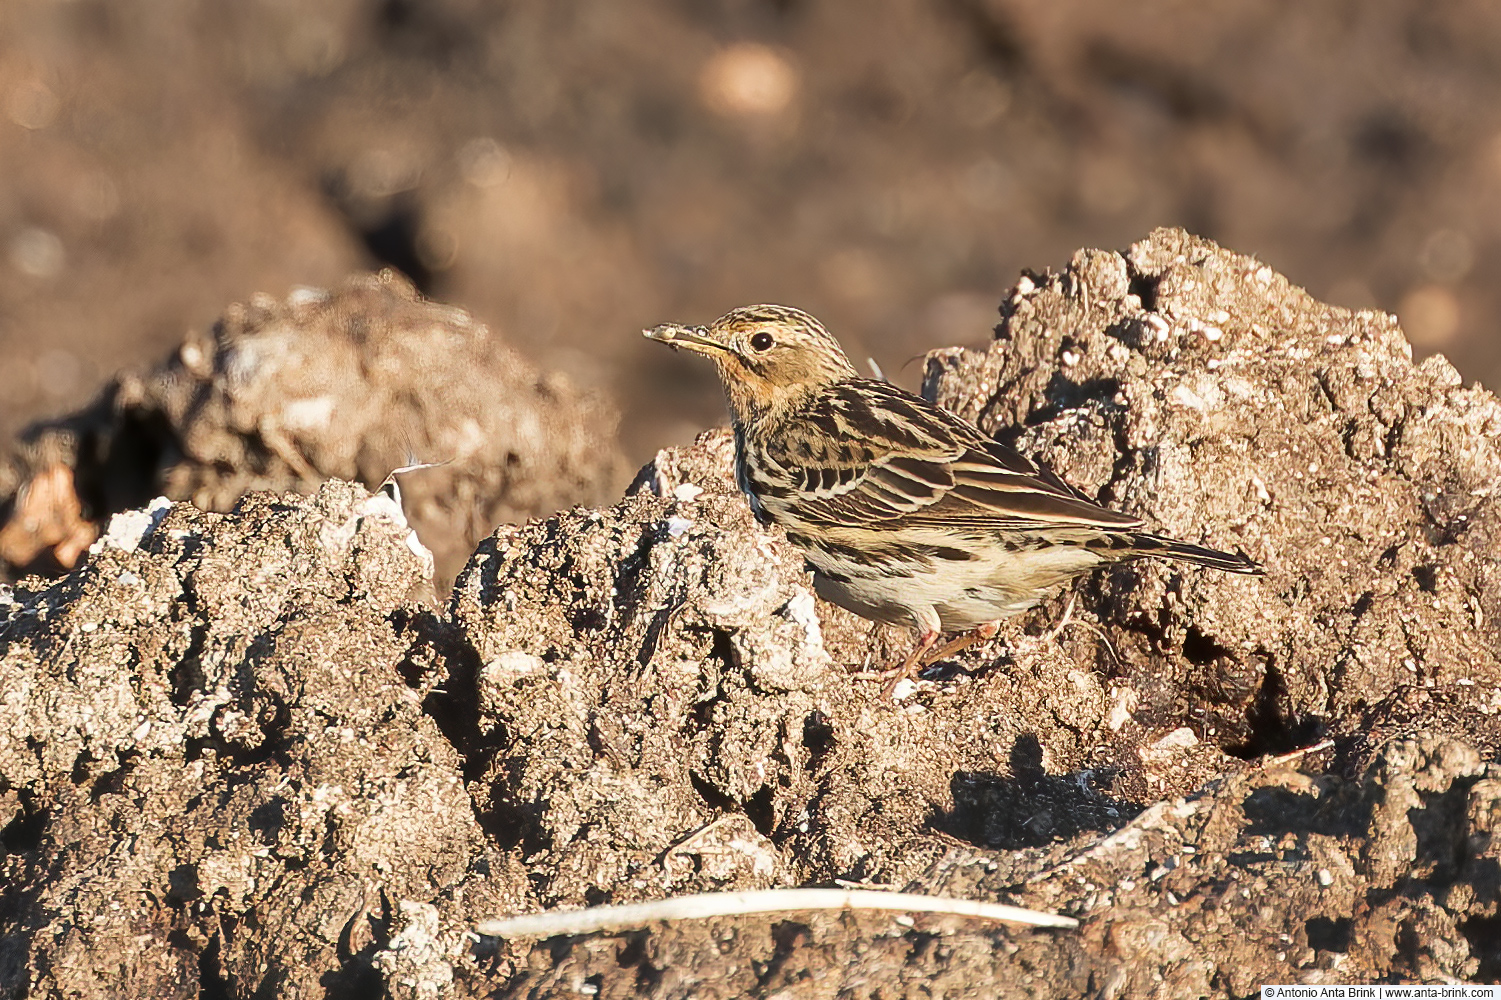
{"x": 243, "y": 754}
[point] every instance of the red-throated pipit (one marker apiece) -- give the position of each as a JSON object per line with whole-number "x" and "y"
{"x": 908, "y": 513}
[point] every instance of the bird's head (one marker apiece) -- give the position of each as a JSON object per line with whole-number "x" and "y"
{"x": 769, "y": 357}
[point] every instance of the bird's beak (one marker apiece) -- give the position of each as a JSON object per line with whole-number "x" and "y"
{"x": 693, "y": 338}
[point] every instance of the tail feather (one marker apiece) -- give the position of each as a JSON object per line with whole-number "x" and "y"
{"x": 1160, "y": 546}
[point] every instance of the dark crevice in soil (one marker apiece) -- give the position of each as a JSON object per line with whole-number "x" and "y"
{"x": 1201, "y": 649}
{"x": 182, "y": 886}
{"x": 1121, "y": 468}
{"x": 110, "y": 782}
{"x": 187, "y": 675}
{"x": 1438, "y": 827}
{"x": 1326, "y": 393}
{"x": 818, "y": 739}
{"x": 1064, "y": 396}
{"x": 701, "y": 719}
{"x": 1144, "y": 287}
{"x": 713, "y": 797}
{"x": 127, "y": 473}
{"x": 80, "y": 772}
{"x": 722, "y": 649}
{"x": 23, "y": 834}
{"x": 356, "y": 979}
{"x": 635, "y": 955}
{"x": 119, "y": 452}
{"x": 212, "y": 983}
{"x": 786, "y": 935}
{"x": 1273, "y": 731}
{"x": 433, "y": 643}
{"x": 1326, "y": 934}
{"x": 760, "y": 811}
{"x": 628, "y": 582}
{"x": 512, "y": 824}
{"x": 273, "y": 718}
{"x": 1484, "y": 935}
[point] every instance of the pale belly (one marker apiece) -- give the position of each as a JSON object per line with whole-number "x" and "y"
{"x": 950, "y": 595}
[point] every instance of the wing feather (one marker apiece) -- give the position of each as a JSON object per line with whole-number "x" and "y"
{"x": 897, "y": 461}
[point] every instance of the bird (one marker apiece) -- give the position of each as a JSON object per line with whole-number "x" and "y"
{"x": 907, "y": 513}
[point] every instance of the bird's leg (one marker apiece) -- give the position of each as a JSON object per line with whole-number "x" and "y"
{"x": 968, "y": 639}
{"x": 910, "y": 664}
{"x": 1068, "y": 615}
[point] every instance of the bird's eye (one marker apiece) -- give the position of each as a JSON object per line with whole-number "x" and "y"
{"x": 761, "y": 341}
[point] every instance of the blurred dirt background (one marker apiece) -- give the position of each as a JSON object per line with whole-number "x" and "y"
{"x": 573, "y": 171}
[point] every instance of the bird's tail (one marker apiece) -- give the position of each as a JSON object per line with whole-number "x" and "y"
{"x": 1162, "y": 547}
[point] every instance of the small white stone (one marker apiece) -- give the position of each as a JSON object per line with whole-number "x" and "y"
{"x": 1182, "y": 737}
{"x": 1261, "y": 490}
{"x": 677, "y": 527}
{"x": 512, "y": 661}
{"x": 686, "y": 492}
{"x": 1185, "y": 397}
{"x": 129, "y": 529}
{"x": 1121, "y": 708}
{"x": 1326, "y": 877}
{"x": 903, "y": 689}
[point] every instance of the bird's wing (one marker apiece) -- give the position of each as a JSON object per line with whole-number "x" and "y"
{"x": 869, "y": 453}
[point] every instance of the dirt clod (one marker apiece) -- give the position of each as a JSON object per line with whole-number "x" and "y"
{"x": 349, "y": 384}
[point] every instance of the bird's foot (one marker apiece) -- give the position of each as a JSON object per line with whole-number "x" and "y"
{"x": 924, "y": 654}
{"x": 968, "y": 639}
{"x": 908, "y": 666}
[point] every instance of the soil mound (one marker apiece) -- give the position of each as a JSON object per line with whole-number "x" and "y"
{"x": 239, "y": 759}
{"x": 348, "y": 384}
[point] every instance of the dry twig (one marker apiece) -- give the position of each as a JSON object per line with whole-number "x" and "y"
{"x": 728, "y": 904}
